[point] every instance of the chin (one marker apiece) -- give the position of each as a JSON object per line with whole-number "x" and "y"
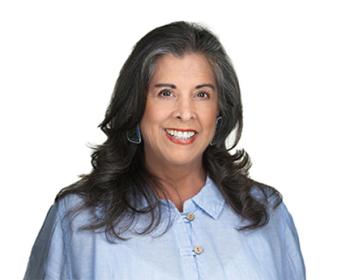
{"x": 182, "y": 159}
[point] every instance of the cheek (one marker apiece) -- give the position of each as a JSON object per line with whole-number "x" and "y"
{"x": 152, "y": 119}
{"x": 208, "y": 118}
{"x": 159, "y": 111}
{"x": 211, "y": 126}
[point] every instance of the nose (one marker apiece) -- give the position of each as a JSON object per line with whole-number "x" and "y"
{"x": 184, "y": 109}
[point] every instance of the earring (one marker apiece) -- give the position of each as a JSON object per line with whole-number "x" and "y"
{"x": 218, "y": 124}
{"x": 134, "y": 136}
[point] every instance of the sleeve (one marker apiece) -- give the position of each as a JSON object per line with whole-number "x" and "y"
{"x": 295, "y": 267}
{"x": 47, "y": 259}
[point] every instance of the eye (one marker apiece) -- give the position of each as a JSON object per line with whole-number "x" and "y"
{"x": 203, "y": 94}
{"x": 165, "y": 93}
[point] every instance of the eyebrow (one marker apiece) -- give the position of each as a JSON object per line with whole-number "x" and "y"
{"x": 174, "y": 87}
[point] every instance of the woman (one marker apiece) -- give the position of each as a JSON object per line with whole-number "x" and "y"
{"x": 165, "y": 198}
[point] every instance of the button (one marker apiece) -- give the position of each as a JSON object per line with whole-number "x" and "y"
{"x": 190, "y": 216}
{"x": 198, "y": 249}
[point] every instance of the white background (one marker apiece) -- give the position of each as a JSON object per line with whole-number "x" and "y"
{"x": 58, "y": 64}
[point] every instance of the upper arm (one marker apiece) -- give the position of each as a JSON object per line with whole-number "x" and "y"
{"x": 295, "y": 268}
{"x": 47, "y": 260}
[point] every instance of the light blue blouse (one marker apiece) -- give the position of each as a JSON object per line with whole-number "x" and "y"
{"x": 202, "y": 243}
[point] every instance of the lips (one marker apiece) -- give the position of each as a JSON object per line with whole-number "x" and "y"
{"x": 180, "y": 140}
{"x": 183, "y": 129}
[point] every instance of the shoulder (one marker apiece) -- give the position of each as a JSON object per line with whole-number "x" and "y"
{"x": 266, "y": 195}
{"x": 67, "y": 203}
{"x": 279, "y": 216}
{"x": 72, "y": 211}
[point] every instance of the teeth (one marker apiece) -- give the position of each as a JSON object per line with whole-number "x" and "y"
{"x": 180, "y": 134}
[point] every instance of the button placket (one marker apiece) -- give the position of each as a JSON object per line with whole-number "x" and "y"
{"x": 188, "y": 217}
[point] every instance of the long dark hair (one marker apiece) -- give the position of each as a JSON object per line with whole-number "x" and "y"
{"x": 119, "y": 179}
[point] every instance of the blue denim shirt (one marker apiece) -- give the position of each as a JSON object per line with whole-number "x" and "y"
{"x": 202, "y": 243}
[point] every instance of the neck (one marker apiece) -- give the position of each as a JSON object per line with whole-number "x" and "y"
{"x": 180, "y": 182}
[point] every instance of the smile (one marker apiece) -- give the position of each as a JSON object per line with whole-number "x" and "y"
{"x": 181, "y": 136}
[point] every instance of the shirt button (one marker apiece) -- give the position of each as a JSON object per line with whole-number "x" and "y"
{"x": 198, "y": 249}
{"x": 190, "y": 216}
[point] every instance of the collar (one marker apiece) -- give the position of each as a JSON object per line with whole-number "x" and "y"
{"x": 209, "y": 199}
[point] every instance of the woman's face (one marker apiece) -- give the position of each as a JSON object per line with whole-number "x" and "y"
{"x": 181, "y": 109}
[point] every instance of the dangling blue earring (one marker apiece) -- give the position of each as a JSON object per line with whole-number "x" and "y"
{"x": 134, "y": 136}
{"x": 218, "y": 124}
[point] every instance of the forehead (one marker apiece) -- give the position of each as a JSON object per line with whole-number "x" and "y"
{"x": 188, "y": 66}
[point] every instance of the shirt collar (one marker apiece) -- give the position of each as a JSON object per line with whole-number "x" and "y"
{"x": 209, "y": 199}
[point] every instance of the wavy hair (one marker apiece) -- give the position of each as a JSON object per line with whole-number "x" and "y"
{"x": 119, "y": 178}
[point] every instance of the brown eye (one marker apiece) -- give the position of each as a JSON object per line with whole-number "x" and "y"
{"x": 203, "y": 94}
{"x": 165, "y": 93}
